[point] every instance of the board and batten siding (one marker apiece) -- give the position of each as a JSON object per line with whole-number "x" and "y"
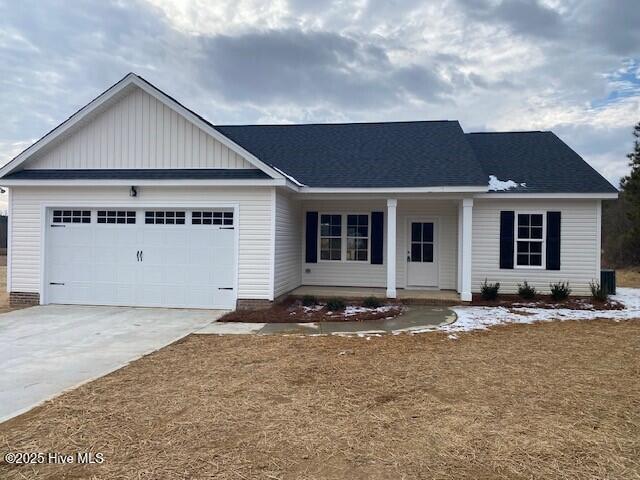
{"x": 288, "y": 254}
{"x": 255, "y": 207}
{"x": 364, "y": 274}
{"x": 138, "y": 131}
{"x": 579, "y": 245}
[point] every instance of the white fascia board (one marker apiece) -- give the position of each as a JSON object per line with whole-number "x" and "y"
{"x": 533, "y": 196}
{"x": 165, "y": 183}
{"x": 112, "y": 92}
{"x": 464, "y": 189}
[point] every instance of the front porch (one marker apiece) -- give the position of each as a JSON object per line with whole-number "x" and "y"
{"x": 423, "y": 297}
{"x": 413, "y": 248}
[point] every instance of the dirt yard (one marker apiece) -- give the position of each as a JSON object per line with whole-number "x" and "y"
{"x": 552, "y": 400}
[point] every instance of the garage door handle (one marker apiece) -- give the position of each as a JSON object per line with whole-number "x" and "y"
{"x": 225, "y": 288}
{"x": 141, "y": 255}
{"x": 55, "y": 283}
{"x": 138, "y": 255}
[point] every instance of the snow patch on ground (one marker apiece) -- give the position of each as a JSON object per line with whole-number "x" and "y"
{"x": 482, "y": 318}
{"x": 496, "y": 185}
{"x": 354, "y": 310}
{"x": 312, "y": 309}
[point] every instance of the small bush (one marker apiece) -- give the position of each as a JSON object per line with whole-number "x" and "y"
{"x": 489, "y": 291}
{"x": 371, "y": 302}
{"x": 526, "y": 291}
{"x": 560, "y": 290}
{"x": 335, "y": 304}
{"x": 599, "y": 293}
{"x": 309, "y": 301}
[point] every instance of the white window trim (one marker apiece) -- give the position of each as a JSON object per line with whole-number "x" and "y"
{"x": 343, "y": 238}
{"x": 543, "y": 240}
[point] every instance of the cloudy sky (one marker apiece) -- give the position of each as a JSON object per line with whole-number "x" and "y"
{"x": 571, "y": 66}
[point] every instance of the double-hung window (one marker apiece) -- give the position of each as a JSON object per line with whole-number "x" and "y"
{"x": 344, "y": 237}
{"x": 330, "y": 237}
{"x": 358, "y": 238}
{"x": 530, "y": 231}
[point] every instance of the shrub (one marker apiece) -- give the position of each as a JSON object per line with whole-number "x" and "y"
{"x": 560, "y": 290}
{"x": 335, "y": 304}
{"x": 489, "y": 291}
{"x": 599, "y": 293}
{"x": 371, "y": 302}
{"x": 526, "y": 291}
{"x": 309, "y": 301}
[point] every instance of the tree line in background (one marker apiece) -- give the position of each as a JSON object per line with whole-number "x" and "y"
{"x": 621, "y": 218}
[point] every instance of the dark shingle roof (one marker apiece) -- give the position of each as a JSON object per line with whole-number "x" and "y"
{"x": 398, "y": 154}
{"x": 140, "y": 174}
{"x": 540, "y": 159}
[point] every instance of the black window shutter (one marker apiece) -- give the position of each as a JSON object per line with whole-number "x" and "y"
{"x": 506, "y": 239}
{"x": 553, "y": 240}
{"x": 311, "y": 237}
{"x": 377, "y": 236}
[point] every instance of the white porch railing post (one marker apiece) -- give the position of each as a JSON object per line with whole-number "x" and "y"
{"x": 392, "y": 203}
{"x": 467, "y": 247}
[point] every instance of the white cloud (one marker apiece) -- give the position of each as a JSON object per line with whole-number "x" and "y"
{"x": 562, "y": 65}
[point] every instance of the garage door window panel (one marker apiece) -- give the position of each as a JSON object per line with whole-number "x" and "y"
{"x": 72, "y": 216}
{"x": 122, "y": 217}
{"x": 212, "y": 218}
{"x": 168, "y": 217}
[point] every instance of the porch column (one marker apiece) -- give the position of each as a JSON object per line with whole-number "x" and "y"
{"x": 467, "y": 245}
{"x": 392, "y": 203}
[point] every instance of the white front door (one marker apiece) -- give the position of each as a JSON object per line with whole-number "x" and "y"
{"x": 141, "y": 257}
{"x": 422, "y": 253}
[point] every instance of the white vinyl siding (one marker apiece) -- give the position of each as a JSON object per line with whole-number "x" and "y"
{"x": 364, "y": 274}
{"x": 288, "y": 254}
{"x": 579, "y": 251}
{"x": 138, "y": 131}
{"x": 254, "y": 262}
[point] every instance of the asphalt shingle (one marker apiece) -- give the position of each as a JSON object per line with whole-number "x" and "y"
{"x": 356, "y": 155}
{"x": 539, "y": 159}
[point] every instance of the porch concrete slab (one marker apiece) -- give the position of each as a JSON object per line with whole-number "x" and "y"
{"x": 49, "y": 349}
{"x": 440, "y": 297}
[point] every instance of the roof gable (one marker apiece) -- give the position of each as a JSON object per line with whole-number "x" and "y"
{"x": 99, "y": 134}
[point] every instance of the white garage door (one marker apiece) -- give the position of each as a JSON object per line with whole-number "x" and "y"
{"x": 149, "y": 258}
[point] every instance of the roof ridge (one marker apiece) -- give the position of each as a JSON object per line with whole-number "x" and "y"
{"x": 508, "y": 131}
{"x": 335, "y": 123}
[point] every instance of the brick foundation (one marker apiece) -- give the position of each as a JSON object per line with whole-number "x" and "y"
{"x": 251, "y": 304}
{"x": 24, "y": 298}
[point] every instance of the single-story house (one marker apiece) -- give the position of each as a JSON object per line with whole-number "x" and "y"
{"x": 137, "y": 200}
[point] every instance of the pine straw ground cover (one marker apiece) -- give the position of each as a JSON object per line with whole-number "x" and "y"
{"x": 553, "y": 400}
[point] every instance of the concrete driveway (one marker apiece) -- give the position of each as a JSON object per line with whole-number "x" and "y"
{"x": 48, "y": 349}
